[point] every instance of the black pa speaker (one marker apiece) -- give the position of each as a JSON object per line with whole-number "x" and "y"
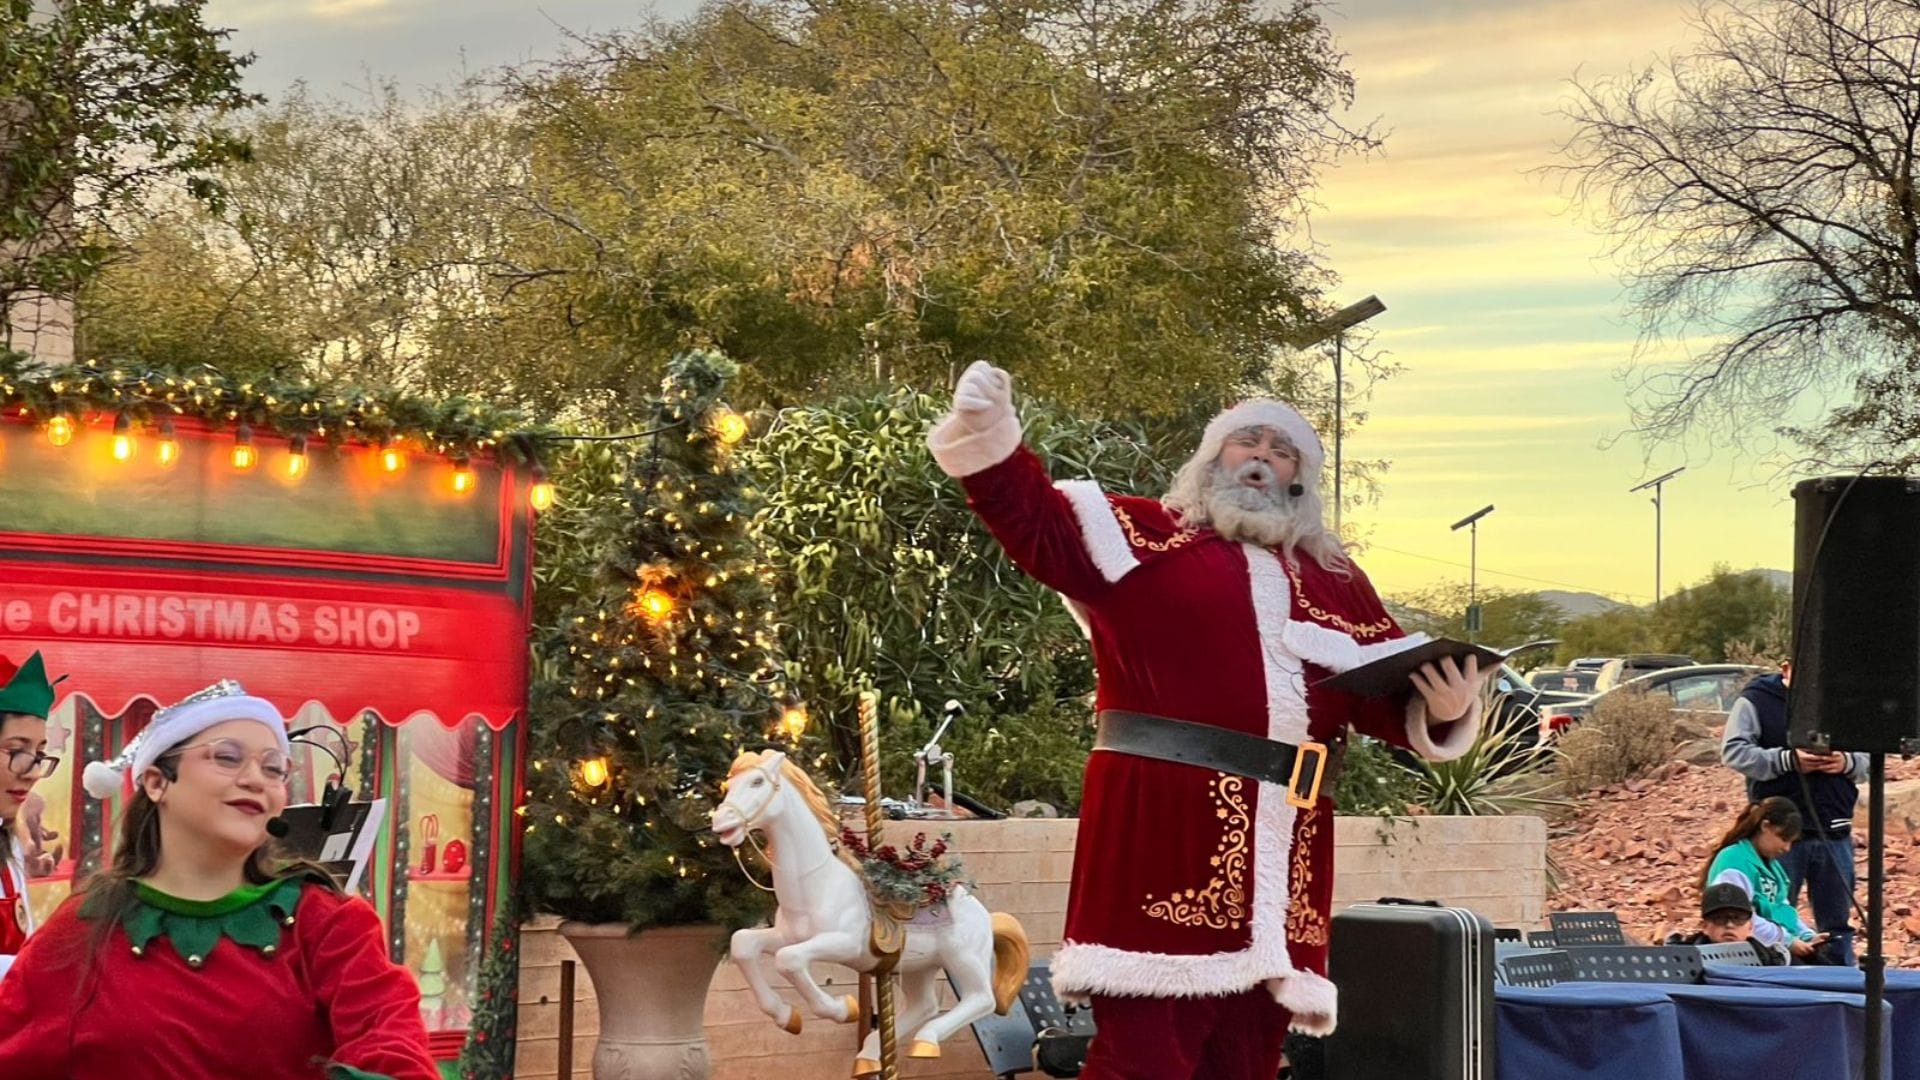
{"x": 1856, "y": 614}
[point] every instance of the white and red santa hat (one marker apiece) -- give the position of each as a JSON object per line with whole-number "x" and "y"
{"x": 1264, "y": 412}
{"x": 223, "y": 701}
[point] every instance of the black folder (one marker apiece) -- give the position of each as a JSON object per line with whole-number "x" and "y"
{"x": 1393, "y": 674}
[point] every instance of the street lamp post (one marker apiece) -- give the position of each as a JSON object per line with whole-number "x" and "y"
{"x": 1335, "y": 326}
{"x": 1471, "y": 523}
{"x": 1656, "y": 484}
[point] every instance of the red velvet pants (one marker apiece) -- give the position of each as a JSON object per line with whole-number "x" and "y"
{"x": 1212, "y": 1038}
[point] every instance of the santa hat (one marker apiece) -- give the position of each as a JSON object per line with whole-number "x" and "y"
{"x": 1264, "y": 412}
{"x": 26, "y": 689}
{"x": 223, "y": 701}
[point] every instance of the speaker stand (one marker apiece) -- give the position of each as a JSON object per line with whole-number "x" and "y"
{"x": 1874, "y": 963}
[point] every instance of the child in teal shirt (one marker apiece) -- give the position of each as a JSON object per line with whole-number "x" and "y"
{"x": 1748, "y": 856}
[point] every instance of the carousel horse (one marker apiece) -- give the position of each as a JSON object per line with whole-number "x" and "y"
{"x": 826, "y": 915}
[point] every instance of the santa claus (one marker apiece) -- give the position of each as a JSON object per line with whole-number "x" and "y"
{"x": 1198, "y": 919}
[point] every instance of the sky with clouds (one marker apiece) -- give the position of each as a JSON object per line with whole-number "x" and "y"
{"x": 1503, "y": 311}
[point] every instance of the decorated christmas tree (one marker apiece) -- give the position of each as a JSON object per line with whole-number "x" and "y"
{"x": 488, "y": 1054}
{"x": 657, "y": 675}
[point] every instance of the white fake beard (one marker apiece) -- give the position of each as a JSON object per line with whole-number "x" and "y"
{"x": 1251, "y": 515}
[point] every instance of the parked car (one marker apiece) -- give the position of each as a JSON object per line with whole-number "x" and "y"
{"x": 1707, "y": 690}
{"x": 1626, "y": 668}
{"x": 1565, "y": 680}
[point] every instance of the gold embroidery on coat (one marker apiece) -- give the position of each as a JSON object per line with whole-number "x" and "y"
{"x": 1222, "y": 903}
{"x": 1305, "y": 924}
{"x": 1372, "y": 629}
{"x": 1134, "y": 537}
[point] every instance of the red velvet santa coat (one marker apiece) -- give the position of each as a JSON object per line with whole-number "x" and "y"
{"x": 1186, "y": 881}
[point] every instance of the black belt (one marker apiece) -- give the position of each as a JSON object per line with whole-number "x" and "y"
{"x": 1219, "y": 749}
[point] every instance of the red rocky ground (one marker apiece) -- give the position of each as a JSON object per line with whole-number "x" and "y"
{"x": 1638, "y": 849}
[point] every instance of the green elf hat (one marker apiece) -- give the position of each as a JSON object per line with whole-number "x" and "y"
{"x": 27, "y": 689}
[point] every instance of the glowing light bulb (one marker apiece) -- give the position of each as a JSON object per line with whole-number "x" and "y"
{"x": 593, "y": 771}
{"x": 392, "y": 458}
{"x": 122, "y": 438}
{"x": 540, "y": 495}
{"x": 793, "y": 722}
{"x": 60, "y": 429}
{"x": 244, "y": 455}
{"x": 168, "y": 452}
{"x": 729, "y": 425}
{"x": 462, "y": 476}
{"x": 656, "y": 603}
{"x": 297, "y": 457}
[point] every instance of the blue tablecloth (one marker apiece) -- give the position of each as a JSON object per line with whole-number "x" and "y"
{"x": 1587, "y": 1031}
{"x": 1776, "y": 1032}
{"x": 1903, "y": 993}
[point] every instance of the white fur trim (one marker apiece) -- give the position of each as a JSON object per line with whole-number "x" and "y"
{"x": 1312, "y": 999}
{"x": 101, "y": 780}
{"x": 1337, "y": 651}
{"x": 1106, "y": 545}
{"x": 1459, "y": 737}
{"x": 1264, "y": 412}
{"x": 960, "y": 452}
{"x": 176, "y": 724}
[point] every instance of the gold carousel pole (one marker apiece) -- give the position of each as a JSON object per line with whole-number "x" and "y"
{"x": 883, "y": 977}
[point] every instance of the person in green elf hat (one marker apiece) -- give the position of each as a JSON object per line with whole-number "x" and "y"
{"x": 236, "y": 962}
{"x": 25, "y": 699}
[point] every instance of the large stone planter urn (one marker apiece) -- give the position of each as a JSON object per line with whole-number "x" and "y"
{"x": 652, "y": 990}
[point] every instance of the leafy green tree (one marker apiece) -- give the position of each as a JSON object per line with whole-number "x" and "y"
{"x": 655, "y": 677}
{"x": 1506, "y": 618}
{"x": 1094, "y": 195}
{"x": 1703, "y": 620}
{"x": 355, "y": 244}
{"x": 102, "y": 103}
{"x": 1613, "y": 632}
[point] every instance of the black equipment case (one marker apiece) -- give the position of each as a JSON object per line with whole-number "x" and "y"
{"x": 1416, "y": 993}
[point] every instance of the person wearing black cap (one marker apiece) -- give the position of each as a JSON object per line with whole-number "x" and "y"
{"x": 1726, "y": 915}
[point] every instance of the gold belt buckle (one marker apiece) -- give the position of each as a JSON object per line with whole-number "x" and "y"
{"x": 1312, "y": 796}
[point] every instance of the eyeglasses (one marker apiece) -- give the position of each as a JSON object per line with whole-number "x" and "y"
{"x": 31, "y": 764}
{"x": 231, "y": 758}
{"x": 1727, "y": 918}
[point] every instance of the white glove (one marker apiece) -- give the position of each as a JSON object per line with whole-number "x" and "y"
{"x": 1449, "y": 691}
{"x": 983, "y": 397}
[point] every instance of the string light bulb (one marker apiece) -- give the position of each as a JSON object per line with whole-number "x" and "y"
{"x": 297, "y": 457}
{"x": 540, "y": 496}
{"x": 123, "y": 438}
{"x": 462, "y": 476}
{"x": 392, "y": 457}
{"x": 167, "y": 453}
{"x": 593, "y": 771}
{"x": 793, "y": 721}
{"x": 655, "y": 603}
{"x": 730, "y": 426}
{"x": 244, "y": 455}
{"x": 60, "y": 429}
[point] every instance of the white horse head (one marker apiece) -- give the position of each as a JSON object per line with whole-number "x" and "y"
{"x": 762, "y": 788}
{"x": 753, "y": 783}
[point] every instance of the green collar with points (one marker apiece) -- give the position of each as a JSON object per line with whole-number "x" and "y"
{"x": 253, "y": 916}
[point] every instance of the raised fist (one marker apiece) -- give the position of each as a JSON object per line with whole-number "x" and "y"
{"x": 983, "y": 396}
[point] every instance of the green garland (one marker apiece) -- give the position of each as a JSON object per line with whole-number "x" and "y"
{"x": 334, "y": 414}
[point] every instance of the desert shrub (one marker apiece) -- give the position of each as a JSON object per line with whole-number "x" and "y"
{"x": 1627, "y": 734}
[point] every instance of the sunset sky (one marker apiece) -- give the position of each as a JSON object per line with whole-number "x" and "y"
{"x": 1502, "y": 307}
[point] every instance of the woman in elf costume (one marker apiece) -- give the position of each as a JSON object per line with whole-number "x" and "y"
{"x": 224, "y": 963}
{"x": 25, "y": 700}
